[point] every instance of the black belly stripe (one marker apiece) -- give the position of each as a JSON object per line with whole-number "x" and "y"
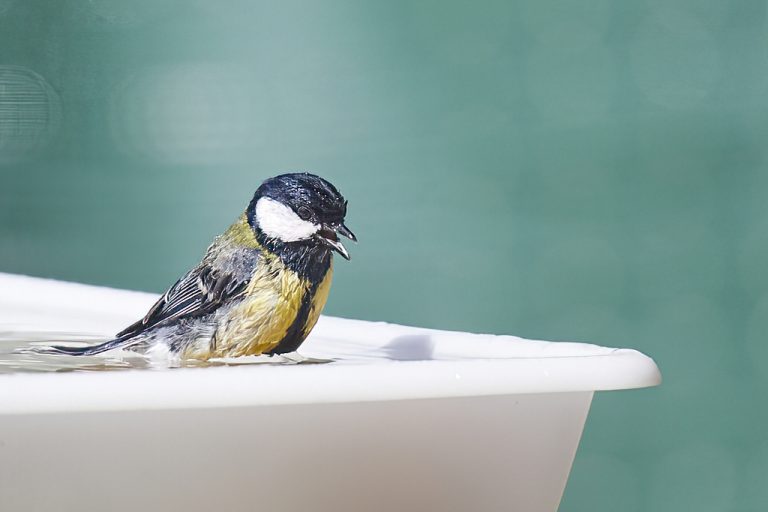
{"x": 294, "y": 336}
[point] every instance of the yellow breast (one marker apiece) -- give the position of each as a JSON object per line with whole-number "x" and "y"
{"x": 318, "y": 302}
{"x": 261, "y": 320}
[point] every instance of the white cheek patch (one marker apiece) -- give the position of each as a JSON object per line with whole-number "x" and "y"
{"x": 278, "y": 221}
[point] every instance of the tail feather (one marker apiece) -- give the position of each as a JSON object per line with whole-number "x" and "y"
{"x": 89, "y": 350}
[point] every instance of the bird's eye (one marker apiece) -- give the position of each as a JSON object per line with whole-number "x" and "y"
{"x": 305, "y": 213}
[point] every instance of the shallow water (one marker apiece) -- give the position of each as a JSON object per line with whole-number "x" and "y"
{"x": 17, "y": 355}
{"x": 12, "y": 360}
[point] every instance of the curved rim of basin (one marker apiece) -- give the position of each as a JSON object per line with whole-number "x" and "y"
{"x": 374, "y": 361}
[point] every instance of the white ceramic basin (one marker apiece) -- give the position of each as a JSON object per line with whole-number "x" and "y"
{"x": 404, "y": 419}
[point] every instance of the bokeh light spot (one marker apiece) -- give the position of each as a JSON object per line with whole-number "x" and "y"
{"x": 185, "y": 114}
{"x": 29, "y": 112}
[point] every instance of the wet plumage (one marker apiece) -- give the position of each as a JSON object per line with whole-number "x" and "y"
{"x": 261, "y": 285}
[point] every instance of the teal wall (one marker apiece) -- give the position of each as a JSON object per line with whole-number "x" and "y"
{"x": 570, "y": 170}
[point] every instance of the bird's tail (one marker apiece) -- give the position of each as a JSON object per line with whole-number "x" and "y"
{"x": 88, "y": 350}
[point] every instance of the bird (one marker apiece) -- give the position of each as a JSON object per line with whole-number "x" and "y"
{"x": 260, "y": 287}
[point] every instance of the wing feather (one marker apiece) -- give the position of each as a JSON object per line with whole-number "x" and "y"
{"x": 202, "y": 290}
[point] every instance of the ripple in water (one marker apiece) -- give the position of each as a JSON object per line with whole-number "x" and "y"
{"x": 17, "y": 356}
{"x": 13, "y": 360}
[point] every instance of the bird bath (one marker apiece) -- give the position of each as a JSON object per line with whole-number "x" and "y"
{"x": 403, "y": 418}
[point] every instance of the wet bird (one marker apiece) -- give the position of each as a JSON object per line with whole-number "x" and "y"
{"x": 260, "y": 287}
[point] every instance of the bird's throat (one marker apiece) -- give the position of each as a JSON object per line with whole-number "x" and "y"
{"x": 307, "y": 258}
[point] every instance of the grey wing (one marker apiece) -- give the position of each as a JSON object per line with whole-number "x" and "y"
{"x": 201, "y": 291}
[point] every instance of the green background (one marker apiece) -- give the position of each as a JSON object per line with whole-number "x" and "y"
{"x": 589, "y": 171}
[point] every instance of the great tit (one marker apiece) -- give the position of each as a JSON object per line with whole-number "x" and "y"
{"x": 261, "y": 285}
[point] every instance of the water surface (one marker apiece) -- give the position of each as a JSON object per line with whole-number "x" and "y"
{"x": 17, "y": 355}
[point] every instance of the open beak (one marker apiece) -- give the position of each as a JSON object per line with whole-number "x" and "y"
{"x": 328, "y": 236}
{"x": 344, "y": 231}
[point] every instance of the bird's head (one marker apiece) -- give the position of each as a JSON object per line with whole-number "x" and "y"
{"x": 299, "y": 208}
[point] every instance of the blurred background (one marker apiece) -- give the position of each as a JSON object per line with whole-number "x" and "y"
{"x": 591, "y": 171}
